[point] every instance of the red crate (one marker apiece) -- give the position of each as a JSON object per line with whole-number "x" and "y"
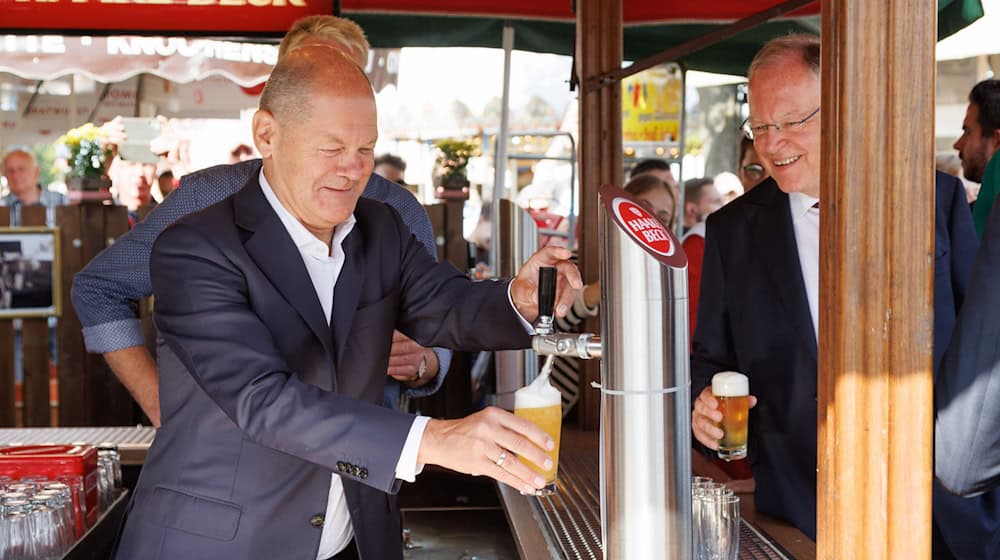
{"x": 59, "y": 462}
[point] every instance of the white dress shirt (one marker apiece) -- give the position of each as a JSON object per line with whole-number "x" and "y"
{"x": 805, "y": 221}
{"x": 324, "y": 268}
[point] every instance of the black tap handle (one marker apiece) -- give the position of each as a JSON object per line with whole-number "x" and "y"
{"x": 546, "y": 290}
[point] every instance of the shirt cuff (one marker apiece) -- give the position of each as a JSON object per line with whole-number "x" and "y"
{"x": 407, "y": 467}
{"x": 112, "y": 336}
{"x": 527, "y": 326}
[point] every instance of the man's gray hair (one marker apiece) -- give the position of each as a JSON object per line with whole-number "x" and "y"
{"x": 803, "y": 45}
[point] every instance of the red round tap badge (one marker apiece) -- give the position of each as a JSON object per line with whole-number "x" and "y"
{"x": 643, "y": 227}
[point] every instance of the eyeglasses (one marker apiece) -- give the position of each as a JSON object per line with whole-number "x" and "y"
{"x": 753, "y": 131}
{"x": 754, "y": 170}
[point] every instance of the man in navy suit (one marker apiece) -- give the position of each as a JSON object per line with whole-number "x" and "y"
{"x": 276, "y": 309}
{"x": 759, "y": 305}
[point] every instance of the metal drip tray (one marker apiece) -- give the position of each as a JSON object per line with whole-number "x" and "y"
{"x": 570, "y": 520}
{"x": 133, "y": 442}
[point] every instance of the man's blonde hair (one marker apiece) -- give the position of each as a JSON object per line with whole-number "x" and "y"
{"x": 328, "y": 28}
{"x": 802, "y": 45}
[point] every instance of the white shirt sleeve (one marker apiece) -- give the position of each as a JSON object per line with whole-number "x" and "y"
{"x": 407, "y": 467}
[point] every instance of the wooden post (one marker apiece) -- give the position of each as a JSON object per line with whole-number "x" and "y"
{"x": 876, "y": 257}
{"x": 598, "y": 50}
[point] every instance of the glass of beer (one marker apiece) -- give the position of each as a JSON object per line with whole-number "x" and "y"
{"x": 732, "y": 390}
{"x": 541, "y": 403}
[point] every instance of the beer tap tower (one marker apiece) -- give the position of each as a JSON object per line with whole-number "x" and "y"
{"x": 645, "y": 384}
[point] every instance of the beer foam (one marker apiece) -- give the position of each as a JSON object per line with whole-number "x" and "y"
{"x": 730, "y": 384}
{"x": 540, "y": 392}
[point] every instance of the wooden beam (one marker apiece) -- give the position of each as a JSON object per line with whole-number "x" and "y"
{"x": 598, "y": 50}
{"x": 694, "y": 45}
{"x": 876, "y": 258}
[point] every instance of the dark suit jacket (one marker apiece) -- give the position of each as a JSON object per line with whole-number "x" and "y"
{"x": 754, "y": 318}
{"x": 261, "y": 400}
{"x": 967, "y": 388}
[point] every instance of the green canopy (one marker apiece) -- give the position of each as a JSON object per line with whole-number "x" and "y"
{"x": 731, "y": 56}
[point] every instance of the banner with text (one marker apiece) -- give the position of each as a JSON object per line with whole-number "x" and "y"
{"x": 272, "y": 17}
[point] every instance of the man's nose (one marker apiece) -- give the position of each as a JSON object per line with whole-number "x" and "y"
{"x": 958, "y": 145}
{"x": 353, "y": 166}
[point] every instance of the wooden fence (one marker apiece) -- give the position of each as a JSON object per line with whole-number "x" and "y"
{"x": 78, "y": 388}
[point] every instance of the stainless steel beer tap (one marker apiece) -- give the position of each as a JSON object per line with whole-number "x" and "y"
{"x": 548, "y": 342}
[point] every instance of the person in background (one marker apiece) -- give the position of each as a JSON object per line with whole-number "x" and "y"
{"x": 657, "y": 197}
{"x": 131, "y": 186}
{"x": 105, "y": 291}
{"x": 759, "y": 313}
{"x": 391, "y": 167}
{"x": 701, "y": 198}
{"x": 241, "y": 152}
{"x": 978, "y": 146}
{"x": 166, "y": 183}
{"x": 951, "y": 164}
{"x": 20, "y": 169}
{"x": 658, "y": 168}
{"x": 751, "y": 170}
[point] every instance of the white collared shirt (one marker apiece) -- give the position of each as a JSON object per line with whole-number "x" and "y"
{"x": 805, "y": 221}
{"x": 324, "y": 268}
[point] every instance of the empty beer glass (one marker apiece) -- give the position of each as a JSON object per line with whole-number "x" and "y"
{"x": 541, "y": 403}
{"x": 717, "y": 528}
{"x": 732, "y": 391}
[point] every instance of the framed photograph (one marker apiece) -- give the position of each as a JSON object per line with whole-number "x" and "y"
{"x": 29, "y": 272}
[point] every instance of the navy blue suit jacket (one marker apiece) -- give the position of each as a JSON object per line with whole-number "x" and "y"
{"x": 261, "y": 400}
{"x": 753, "y": 317}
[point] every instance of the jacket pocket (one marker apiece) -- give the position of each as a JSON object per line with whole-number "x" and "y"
{"x": 197, "y": 515}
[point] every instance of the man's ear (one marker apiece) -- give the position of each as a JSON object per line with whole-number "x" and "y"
{"x": 265, "y": 130}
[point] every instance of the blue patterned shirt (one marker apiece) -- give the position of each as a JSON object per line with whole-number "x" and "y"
{"x": 106, "y": 290}
{"x": 48, "y": 199}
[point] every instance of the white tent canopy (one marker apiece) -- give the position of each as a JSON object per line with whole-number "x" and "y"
{"x": 115, "y": 59}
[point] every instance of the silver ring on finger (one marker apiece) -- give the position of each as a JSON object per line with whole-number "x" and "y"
{"x": 501, "y": 458}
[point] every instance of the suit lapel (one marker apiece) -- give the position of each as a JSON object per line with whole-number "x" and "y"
{"x": 347, "y": 291}
{"x": 774, "y": 237}
{"x": 279, "y": 259}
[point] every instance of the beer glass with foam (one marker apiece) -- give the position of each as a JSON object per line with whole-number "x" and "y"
{"x": 732, "y": 390}
{"x": 541, "y": 403}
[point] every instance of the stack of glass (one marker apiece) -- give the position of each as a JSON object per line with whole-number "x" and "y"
{"x": 110, "y": 474}
{"x": 715, "y": 512}
{"x": 39, "y": 516}
{"x": 36, "y": 519}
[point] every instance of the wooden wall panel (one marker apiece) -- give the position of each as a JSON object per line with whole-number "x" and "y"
{"x": 8, "y": 412}
{"x": 71, "y": 371}
{"x": 35, "y": 349}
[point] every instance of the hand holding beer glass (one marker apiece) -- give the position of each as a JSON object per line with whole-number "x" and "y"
{"x": 732, "y": 392}
{"x": 541, "y": 403}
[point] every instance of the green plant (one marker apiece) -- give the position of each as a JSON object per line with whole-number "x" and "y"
{"x": 86, "y": 151}
{"x": 454, "y": 158}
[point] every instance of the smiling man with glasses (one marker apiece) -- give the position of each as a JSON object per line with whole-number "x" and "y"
{"x": 758, "y": 312}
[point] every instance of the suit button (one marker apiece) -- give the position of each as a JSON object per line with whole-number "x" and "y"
{"x": 316, "y": 521}
{"x": 364, "y": 473}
